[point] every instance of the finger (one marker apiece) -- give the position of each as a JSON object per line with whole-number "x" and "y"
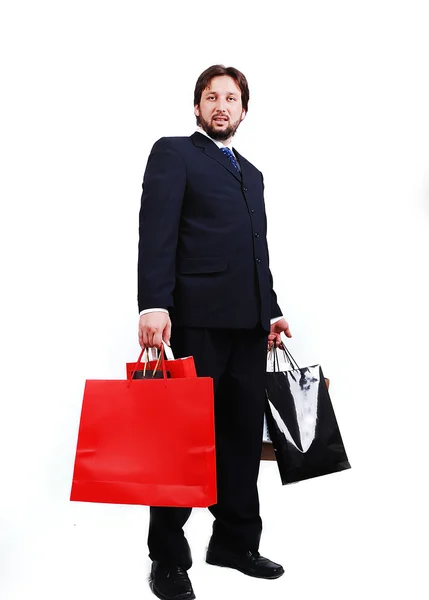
{"x": 146, "y": 339}
{"x": 167, "y": 333}
{"x": 151, "y": 334}
{"x": 275, "y": 339}
{"x": 157, "y": 340}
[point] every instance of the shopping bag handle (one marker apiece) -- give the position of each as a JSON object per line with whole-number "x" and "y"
{"x": 161, "y": 358}
{"x": 154, "y": 352}
{"x": 288, "y": 357}
{"x": 168, "y": 352}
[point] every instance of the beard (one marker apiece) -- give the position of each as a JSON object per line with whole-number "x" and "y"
{"x": 216, "y": 134}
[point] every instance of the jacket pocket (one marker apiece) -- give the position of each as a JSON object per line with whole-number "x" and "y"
{"x": 201, "y": 264}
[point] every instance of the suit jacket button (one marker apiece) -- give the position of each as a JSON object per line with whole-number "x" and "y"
{"x": 258, "y": 260}
{"x": 256, "y": 235}
{"x": 245, "y": 189}
{"x": 252, "y": 211}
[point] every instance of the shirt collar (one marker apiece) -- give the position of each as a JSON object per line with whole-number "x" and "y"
{"x": 218, "y": 144}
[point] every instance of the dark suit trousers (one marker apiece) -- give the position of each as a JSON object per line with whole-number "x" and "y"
{"x": 236, "y": 360}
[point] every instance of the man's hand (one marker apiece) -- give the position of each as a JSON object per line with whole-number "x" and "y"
{"x": 281, "y": 326}
{"x": 154, "y": 327}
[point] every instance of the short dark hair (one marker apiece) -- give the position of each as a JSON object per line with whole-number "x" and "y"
{"x": 217, "y": 71}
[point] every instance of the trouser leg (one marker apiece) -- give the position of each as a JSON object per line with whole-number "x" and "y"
{"x": 239, "y": 414}
{"x": 166, "y": 539}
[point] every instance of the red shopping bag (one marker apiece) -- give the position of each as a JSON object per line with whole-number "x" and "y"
{"x": 147, "y": 441}
{"x": 181, "y": 367}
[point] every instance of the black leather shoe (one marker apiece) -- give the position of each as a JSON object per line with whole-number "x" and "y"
{"x": 170, "y": 582}
{"x": 249, "y": 563}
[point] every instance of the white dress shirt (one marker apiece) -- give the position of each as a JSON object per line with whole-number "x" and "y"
{"x": 219, "y": 145}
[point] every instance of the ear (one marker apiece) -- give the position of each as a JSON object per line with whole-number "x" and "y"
{"x": 243, "y": 114}
{"x": 197, "y": 110}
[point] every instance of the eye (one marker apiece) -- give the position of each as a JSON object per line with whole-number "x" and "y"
{"x": 232, "y": 98}
{"x": 210, "y": 97}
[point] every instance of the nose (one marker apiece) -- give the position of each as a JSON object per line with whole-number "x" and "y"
{"x": 221, "y": 105}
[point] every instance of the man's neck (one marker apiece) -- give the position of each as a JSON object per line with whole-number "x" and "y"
{"x": 219, "y": 143}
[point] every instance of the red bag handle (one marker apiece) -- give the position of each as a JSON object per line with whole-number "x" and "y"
{"x": 161, "y": 358}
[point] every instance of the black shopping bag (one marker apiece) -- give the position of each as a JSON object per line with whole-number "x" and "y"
{"x": 302, "y": 423}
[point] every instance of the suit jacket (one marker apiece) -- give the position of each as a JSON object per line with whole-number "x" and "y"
{"x": 203, "y": 251}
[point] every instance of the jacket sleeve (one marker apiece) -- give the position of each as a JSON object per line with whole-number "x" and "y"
{"x": 275, "y": 308}
{"x": 164, "y": 186}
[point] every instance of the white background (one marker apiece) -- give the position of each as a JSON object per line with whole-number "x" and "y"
{"x": 339, "y": 125}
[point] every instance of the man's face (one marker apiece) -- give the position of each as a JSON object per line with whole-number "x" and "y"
{"x": 220, "y": 110}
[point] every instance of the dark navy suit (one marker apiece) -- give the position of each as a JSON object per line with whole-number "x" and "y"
{"x": 203, "y": 255}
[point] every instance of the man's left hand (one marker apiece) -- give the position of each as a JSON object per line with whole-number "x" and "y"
{"x": 281, "y": 326}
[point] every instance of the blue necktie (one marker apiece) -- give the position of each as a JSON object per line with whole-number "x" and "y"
{"x": 231, "y": 157}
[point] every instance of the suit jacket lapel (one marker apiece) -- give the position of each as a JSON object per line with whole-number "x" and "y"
{"x": 245, "y": 166}
{"x": 214, "y": 152}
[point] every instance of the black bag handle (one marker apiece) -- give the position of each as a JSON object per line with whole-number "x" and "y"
{"x": 288, "y": 357}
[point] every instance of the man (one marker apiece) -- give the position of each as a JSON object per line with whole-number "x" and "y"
{"x": 204, "y": 285}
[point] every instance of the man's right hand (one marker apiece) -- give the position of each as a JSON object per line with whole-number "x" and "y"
{"x": 154, "y": 327}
